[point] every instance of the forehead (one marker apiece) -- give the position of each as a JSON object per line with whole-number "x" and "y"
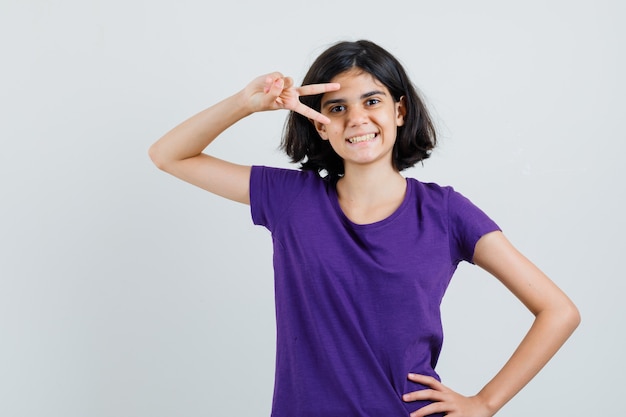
{"x": 355, "y": 81}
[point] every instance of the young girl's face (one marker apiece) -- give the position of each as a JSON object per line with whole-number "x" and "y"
{"x": 363, "y": 119}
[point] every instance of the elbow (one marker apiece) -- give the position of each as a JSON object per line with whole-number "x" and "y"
{"x": 574, "y": 317}
{"x": 564, "y": 317}
{"x": 570, "y": 316}
{"x": 156, "y": 156}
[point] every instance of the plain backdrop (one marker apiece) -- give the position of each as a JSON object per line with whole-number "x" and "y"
{"x": 125, "y": 292}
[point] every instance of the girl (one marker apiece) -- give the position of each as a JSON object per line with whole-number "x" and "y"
{"x": 363, "y": 255}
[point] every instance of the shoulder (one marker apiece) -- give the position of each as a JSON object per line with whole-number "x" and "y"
{"x": 262, "y": 173}
{"x": 447, "y": 202}
{"x": 282, "y": 181}
{"x": 273, "y": 190}
{"x": 434, "y": 193}
{"x": 430, "y": 193}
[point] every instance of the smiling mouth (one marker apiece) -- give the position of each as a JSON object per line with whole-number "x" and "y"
{"x": 364, "y": 138}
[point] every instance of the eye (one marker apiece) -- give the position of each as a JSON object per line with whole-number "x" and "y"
{"x": 372, "y": 101}
{"x": 337, "y": 109}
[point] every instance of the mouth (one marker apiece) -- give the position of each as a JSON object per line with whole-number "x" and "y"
{"x": 363, "y": 138}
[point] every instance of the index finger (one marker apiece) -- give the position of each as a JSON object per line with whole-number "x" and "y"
{"x": 312, "y": 89}
{"x": 426, "y": 380}
{"x": 309, "y": 113}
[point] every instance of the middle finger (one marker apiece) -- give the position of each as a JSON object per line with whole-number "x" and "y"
{"x": 312, "y": 89}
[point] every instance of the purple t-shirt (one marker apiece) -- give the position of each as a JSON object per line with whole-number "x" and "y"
{"x": 358, "y": 306}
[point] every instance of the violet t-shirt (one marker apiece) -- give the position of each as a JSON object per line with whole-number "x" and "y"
{"x": 358, "y": 306}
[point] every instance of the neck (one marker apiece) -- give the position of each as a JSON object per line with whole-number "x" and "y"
{"x": 366, "y": 184}
{"x": 367, "y": 195}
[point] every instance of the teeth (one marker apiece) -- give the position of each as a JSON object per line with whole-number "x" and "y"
{"x": 363, "y": 138}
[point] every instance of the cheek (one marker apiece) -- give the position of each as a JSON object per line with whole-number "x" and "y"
{"x": 334, "y": 131}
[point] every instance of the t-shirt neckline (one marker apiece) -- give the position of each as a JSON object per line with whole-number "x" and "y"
{"x": 334, "y": 198}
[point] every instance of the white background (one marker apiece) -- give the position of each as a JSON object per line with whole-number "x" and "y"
{"x": 125, "y": 292}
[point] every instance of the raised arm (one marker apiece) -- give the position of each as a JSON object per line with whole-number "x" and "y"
{"x": 180, "y": 151}
{"x": 556, "y": 317}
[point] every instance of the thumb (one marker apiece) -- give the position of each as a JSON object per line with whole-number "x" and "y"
{"x": 274, "y": 85}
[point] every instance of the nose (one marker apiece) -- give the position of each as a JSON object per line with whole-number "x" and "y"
{"x": 356, "y": 115}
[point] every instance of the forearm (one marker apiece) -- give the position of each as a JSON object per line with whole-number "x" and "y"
{"x": 192, "y": 136}
{"x": 549, "y": 331}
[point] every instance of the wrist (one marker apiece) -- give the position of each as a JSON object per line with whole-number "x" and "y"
{"x": 488, "y": 405}
{"x": 241, "y": 103}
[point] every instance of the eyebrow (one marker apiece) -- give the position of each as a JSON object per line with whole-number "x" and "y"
{"x": 343, "y": 100}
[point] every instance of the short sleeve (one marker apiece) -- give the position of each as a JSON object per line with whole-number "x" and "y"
{"x": 271, "y": 192}
{"x": 467, "y": 224}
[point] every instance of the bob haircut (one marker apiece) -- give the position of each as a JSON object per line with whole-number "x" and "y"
{"x": 415, "y": 139}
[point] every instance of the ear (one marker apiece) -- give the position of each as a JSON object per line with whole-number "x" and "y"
{"x": 321, "y": 129}
{"x": 400, "y": 111}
